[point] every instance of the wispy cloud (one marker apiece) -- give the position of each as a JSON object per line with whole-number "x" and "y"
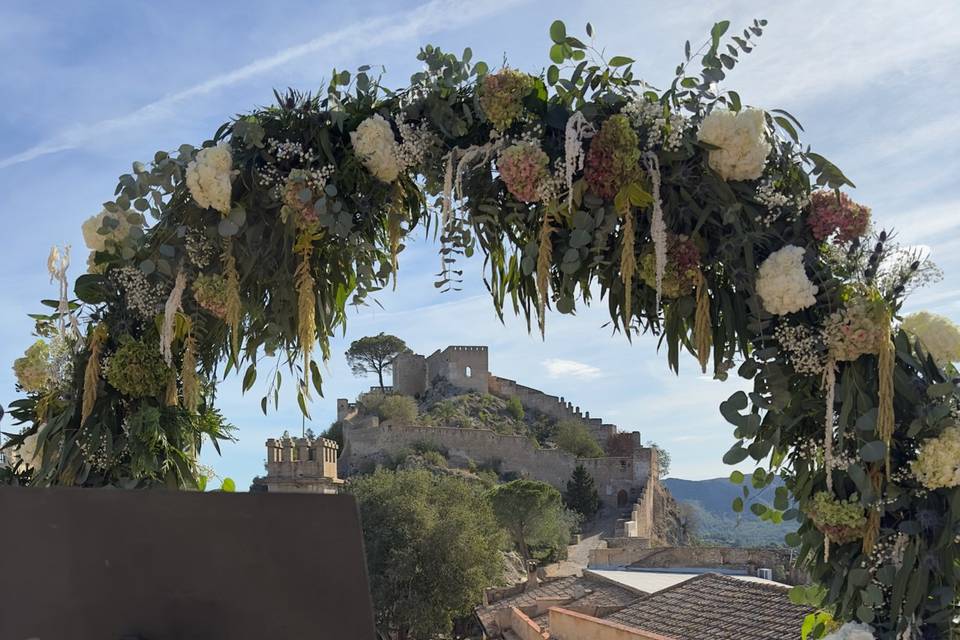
{"x": 432, "y": 17}
{"x": 557, "y": 368}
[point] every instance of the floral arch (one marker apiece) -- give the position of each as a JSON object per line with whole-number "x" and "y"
{"x": 695, "y": 218}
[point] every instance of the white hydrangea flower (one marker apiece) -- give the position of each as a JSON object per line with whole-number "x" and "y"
{"x": 209, "y": 177}
{"x": 742, "y": 140}
{"x": 375, "y": 144}
{"x": 938, "y": 335}
{"x": 782, "y": 282}
{"x": 938, "y": 464}
{"x": 97, "y": 241}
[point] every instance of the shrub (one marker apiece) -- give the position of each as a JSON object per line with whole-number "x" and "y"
{"x": 398, "y": 408}
{"x": 514, "y": 408}
{"x": 573, "y": 437}
{"x": 434, "y": 458}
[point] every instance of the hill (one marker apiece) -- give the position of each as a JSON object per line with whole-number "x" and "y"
{"x": 707, "y": 503}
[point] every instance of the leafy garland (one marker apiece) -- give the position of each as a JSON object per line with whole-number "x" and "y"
{"x": 695, "y": 218}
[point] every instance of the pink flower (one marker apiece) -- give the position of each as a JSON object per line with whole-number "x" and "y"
{"x": 842, "y": 216}
{"x": 523, "y": 169}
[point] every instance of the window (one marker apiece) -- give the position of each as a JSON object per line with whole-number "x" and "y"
{"x": 468, "y": 372}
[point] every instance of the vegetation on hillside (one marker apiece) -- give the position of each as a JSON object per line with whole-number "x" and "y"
{"x": 573, "y": 437}
{"x": 581, "y": 495}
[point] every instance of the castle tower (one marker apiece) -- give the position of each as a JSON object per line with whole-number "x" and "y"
{"x": 300, "y": 465}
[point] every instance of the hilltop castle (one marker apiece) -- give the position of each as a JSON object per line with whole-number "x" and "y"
{"x": 630, "y": 484}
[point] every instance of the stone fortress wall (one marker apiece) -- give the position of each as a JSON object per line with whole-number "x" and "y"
{"x": 621, "y": 482}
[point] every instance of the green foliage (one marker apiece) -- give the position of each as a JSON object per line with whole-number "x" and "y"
{"x": 514, "y": 408}
{"x": 581, "y": 495}
{"x": 400, "y": 409}
{"x": 334, "y": 432}
{"x": 375, "y": 354}
{"x": 533, "y": 514}
{"x": 432, "y": 545}
{"x": 434, "y": 458}
{"x": 663, "y": 458}
{"x": 573, "y": 437}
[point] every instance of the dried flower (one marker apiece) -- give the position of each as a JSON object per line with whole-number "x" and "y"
{"x": 938, "y": 335}
{"x": 502, "y": 94}
{"x": 614, "y": 157}
{"x": 841, "y": 216}
{"x": 137, "y": 369}
{"x": 938, "y": 464}
{"x": 376, "y": 146}
{"x": 682, "y": 268}
{"x": 524, "y": 168}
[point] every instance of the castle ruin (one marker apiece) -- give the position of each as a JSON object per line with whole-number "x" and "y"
{"x": 625, "y": 483}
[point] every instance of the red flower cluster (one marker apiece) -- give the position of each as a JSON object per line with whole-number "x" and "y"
{"x": 842, "y": 216}
{"x": 613, "y": 157}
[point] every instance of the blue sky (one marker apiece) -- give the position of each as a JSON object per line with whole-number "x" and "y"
{"x": 90, "y": 87}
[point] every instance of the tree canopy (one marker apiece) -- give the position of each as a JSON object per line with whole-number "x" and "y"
{"x": 573, "y": 437}
{"x": 432, "y": 543}
{"x": 532, "y": 512}
{"x": 375, "y": 354}
{"x": 581, "y": 495}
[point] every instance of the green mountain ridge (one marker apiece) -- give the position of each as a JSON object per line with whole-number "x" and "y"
{"x": 708, "y": 505}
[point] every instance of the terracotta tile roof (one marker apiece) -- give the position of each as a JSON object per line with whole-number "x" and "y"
{"x": 592, "y": 593}
{"x": 716, "y": 607}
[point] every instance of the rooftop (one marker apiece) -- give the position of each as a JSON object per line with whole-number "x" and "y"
{"x": 718, "y": 607}
{"x": 581, "y": 593}
{"x": 654, "y": 580}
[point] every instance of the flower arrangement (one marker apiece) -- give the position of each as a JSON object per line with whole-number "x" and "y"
{"x": 524, "y": 169}
{"x": 33, "y": 368}
{"x": 782, "y": 282}
{"x": 502, "y": 94}
{"x": 210, "y": 291}
{"x": 741, "y": 138}
{"x": 209, "y": 178}
{"x": 137, "y": 369}
{"x": 376, "y": 146}
{"x": 852, "y": 631}
{"x": 837, "y": 215}
{"x": 682, "y": 268}
{"x": 937, "y": 466}
{"x": 939, "y": 336}
{"x": 861, "y": 327}
{"x": 613, "y": 158}
{"x": 841, "y": 521}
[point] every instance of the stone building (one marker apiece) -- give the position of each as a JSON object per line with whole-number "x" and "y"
{"x": 300, "y": 465}
{"x": 629, "y": 483}
{"x": 467, "y": 368}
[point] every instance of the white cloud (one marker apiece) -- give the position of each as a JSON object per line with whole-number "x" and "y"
{"x": 557, "y": 368}
{"x": 433, "y": 17}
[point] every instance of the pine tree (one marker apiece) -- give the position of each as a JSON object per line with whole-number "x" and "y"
{"x": 581, "y": 495}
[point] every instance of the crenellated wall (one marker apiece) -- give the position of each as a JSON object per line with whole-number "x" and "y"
{"x": 553, "y": 406}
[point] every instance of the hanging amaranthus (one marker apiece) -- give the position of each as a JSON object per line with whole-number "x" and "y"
{"x": 57, "y": 265}
{"x": 91, "y": 375}
{"x": 173, "y": 305}
{"x": 885, "y": 415}
{"x": 702, "y": 327}
{"x": 578, "y": 128}
{"x": 544, "y": 258}
{"x": 829, "y": 387}
{"x": 658, "y": 229}
{"x": 872, "y": 531}
{"x": 233, "y": 311}
{"x": 395, "y": 234}
{"x": 188, "y": 375}
{"x": 628, "y": 262}
{"x": 306, "y": 302}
